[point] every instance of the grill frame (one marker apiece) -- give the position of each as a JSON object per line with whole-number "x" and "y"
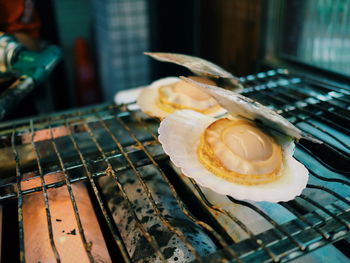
{"x": 288, "y": 243}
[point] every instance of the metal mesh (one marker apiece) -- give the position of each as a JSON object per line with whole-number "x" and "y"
{"x": 116, "y": 152}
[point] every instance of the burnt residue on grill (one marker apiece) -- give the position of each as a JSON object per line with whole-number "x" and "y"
{"x": 138, "y": 247}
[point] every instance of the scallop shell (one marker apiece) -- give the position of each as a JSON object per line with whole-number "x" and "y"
{"x": 148, "y": 97}
{"x": 200, "y": 67}
{"x": 237, "y": 104}
{"x": 179, "y": 134}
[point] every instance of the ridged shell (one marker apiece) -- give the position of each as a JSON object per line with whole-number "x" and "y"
{"x": 237, "y": 104}
{"x": 179, "y": 134}
{"x": 199, "y": 66}
{"x": 148, "y": 97}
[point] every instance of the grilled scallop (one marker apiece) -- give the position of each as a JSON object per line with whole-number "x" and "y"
{"x": 168, "y": 95}
{"x": 236, "y": 155}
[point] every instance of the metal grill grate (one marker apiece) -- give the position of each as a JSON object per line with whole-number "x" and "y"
{"x": 116, "y": 152}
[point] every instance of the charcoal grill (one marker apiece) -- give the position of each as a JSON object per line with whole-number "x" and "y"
{"x": 148, "y": 211}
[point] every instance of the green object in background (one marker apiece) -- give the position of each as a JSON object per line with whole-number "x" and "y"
{"x": 36, "y": 65}
{"x": 30, "y": 68}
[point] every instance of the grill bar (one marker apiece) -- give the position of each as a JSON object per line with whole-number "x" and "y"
{"x": 111, "y": 172}
{"x": 322, "y": 130}
{"x": 257, "y": 241}
{"x": 34, "y": 190}
{"x": 311, "y": 236}
{"x": 311, "y": 153}
{"x": 341, "y": 221}
{"x": 333, "y": 180}
{"x": 87, "y": 247}
{"x": 44, "y": 190}
{"x": 116, "y": 236}
{"x": 19, "y": 198}
{"x": 303, "y": 219}
{"x": 297, "y": 117}
{"x": 338, "y": 196}
{"x": 329, "y": 86}
{"x": 270, "y": 220}
{"x": 275, "y": 95}
{"x": 317, "y": 103}
{"x": 149, "y": 194}
{"x": 314, "y": 105}
{"x": 314, "y": 90}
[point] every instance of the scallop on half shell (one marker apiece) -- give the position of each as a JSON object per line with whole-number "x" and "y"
{"x": 236, "y": 156}
{"x": 168, "y": 95}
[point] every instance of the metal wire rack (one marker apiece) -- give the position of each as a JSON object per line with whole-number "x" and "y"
{"x": 116, "y": 153}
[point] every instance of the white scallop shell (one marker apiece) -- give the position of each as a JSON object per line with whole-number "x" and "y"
{"x": 148, "y": 97}
{"x": 237, "y": 104}
{"x": 179, "y": 134}
{"x": 199, "y": 67}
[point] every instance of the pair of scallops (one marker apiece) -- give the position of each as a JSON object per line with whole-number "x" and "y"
{"x": 246, "y": 154}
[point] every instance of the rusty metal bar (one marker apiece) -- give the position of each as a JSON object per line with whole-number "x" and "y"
{"x": 47, "y": 207}
{"x": 19, "y": 199}
{"x": 87, "y": 247}
{"x": 149, "y": 194}
{"x": 148, "y": 237}
{"x": 115, "y": 235}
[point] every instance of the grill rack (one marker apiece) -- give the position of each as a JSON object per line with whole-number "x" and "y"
{"x": 300, "y": 101}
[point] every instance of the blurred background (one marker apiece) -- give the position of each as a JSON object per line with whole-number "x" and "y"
{"x": 103, "y": 42}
